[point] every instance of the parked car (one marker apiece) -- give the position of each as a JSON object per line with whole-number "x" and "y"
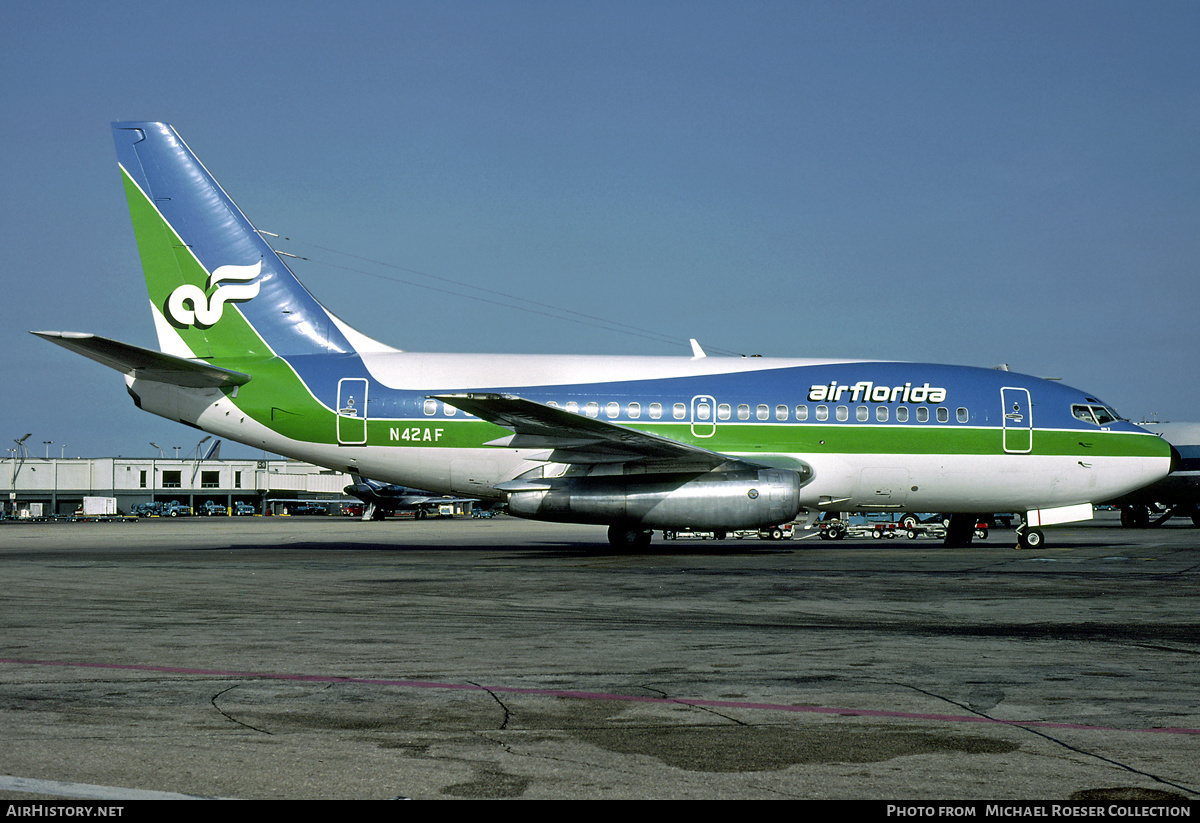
{"x": 241, "y": 508}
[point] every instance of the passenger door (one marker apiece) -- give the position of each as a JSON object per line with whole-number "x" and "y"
{"x": 1017, "y": 420}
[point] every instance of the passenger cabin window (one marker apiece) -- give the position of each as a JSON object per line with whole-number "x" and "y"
{"x": 922, "y": 414}
{"x": 655, "y": 411}
{"x": 743, "y": 411}
{"x": 572, "y": 407}
{"x": 763, "y": 412}
{"x": 635, "y": 411}
{"x": 862, "y": 413}
{"x": 902, "y": 414}
{"x": 781, "y": 412}
{"x": 612, "y": 410}
{"x": 703, "y": 411}
{"x": 430, "y": 406}
{"x": 723, "y": 411}
{"x": 881, "y": 414}
{"x": 679, "y": 410}
{"x": 822, "y": 412}
{"x": 943, "y": 414}
{"x": 802, "y": 412}
{"x": 962, "y": 416}
{"x": 843, "y": 413}
{"x": 592, "y": 409}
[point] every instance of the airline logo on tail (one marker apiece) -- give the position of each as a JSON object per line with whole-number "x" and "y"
{"x": 205, "y": 311}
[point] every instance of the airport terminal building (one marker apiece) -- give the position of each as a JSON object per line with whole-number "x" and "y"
{"x": 35, "y": 487}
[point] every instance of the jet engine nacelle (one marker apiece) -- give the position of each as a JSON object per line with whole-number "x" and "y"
{"x": 743, "y": 499}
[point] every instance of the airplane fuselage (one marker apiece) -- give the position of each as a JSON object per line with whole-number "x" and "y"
{"x": 871, "y": 435}
{"x": 637, "y": 443}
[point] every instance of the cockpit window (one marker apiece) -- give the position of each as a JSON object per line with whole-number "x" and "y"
{"x": 1096, "y": 415}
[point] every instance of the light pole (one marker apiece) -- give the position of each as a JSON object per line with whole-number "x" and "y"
{"x": 47, "y": 443}
{"x": 160, "y": 451}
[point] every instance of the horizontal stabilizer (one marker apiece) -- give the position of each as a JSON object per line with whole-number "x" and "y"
{"x": 146, "y": 364}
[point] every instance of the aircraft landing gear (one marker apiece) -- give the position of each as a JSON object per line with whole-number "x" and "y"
{"x": 960, "y": 530}
{"x": 1028, "y": 538}
{"x": 625, "y": 538}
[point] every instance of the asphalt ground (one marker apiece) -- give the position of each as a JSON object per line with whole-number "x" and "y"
{"x": 328, "y": 658}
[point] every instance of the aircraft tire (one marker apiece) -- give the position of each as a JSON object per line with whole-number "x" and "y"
{"x": 1030, "y": 539}
{"x": 628, "y": 538}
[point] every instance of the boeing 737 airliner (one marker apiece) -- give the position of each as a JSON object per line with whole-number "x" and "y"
{"x": 634, "y": 443}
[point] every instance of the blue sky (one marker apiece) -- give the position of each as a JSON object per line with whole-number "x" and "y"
{"x": 963, "y": 182}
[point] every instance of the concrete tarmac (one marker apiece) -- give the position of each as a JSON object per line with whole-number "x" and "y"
{"x": 329, "y": 658}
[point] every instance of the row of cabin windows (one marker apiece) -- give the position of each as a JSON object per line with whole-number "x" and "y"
{"x": 762, "y": 411}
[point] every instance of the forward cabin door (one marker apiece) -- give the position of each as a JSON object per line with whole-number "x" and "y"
{"x": 1017, "y": 420}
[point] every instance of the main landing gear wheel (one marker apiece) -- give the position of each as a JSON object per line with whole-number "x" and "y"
{"x": 628, "y": 538}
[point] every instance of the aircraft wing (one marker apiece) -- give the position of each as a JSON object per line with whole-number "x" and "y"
{"x": 576, "y": 438}
{"x": 145, "y": 364}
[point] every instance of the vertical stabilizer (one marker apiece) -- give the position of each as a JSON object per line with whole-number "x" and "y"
{"x": 217, "y": 289}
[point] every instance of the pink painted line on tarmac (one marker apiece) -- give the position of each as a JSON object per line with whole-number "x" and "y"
{"x": 582, "y": 695}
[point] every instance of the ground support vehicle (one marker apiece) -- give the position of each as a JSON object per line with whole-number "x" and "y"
{"x": 908, "y": 526}
{"x": 784, "y": 531}
{"x": 689, "y": 534}
{"x": 211, "y": 508}
{"x": 934, "y": 531}
{"x": 308, "y": 508}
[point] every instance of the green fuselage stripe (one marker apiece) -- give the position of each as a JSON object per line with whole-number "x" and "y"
{"x": 798, "y": 438}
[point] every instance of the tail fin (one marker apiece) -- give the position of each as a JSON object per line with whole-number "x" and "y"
{"x": 217, "y": 289}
